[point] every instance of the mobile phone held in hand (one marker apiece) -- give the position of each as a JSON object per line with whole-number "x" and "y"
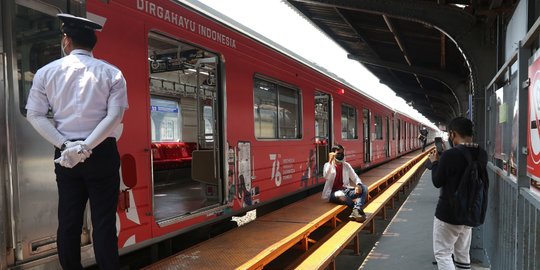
{"x": 439, "y": 145}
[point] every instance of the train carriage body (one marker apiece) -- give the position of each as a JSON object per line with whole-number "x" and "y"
{"x": 218, "y": 124}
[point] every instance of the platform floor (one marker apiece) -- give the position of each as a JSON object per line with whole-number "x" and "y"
{"x": 266, "y": 235}
{"x": 407, "y": 241}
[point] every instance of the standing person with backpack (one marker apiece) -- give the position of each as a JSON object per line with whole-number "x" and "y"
{"x": 461, "y": 175}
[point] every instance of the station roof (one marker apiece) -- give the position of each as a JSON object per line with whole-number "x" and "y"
{"x": 402, "y": 43}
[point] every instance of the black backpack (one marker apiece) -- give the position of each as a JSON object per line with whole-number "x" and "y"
{"x": 469, "y": 202}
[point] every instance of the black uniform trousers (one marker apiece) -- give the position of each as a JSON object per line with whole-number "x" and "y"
{"x": 98, "y": 180}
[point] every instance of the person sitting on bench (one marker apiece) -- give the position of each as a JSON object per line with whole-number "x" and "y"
{"x": 343, "y": 185}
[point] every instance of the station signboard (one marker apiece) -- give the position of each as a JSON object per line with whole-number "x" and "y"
{"x": 533, "y": 134}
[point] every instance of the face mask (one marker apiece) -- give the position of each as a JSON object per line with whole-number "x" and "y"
{"x": 340, "y": 157}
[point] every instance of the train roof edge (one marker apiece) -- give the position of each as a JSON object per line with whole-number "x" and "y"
{"x": 229, "y": 22}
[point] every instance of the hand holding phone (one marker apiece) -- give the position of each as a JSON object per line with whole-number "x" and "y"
{"x": 331, "y": 156}
{"x": 439, "y": 145}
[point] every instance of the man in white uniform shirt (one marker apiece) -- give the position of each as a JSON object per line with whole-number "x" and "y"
{"x": 87, "y": 98}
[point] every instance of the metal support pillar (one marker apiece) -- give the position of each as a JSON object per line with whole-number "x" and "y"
{"x": 523, "y": 180}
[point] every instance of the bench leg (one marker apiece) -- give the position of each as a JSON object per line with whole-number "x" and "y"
{"x": 356, "y": 243}
{"x": 372, "y": 229}
{"x": 304, "y": 243}
{"x": 334, "y": 222}
{"x": 332, "y": 265}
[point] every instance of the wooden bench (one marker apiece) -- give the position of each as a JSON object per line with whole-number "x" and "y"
{"x": 259, "y": 242}
{"x": 264, "y": 239}
{"x": 396, "y": 174}
{"x": 325, "y": 255}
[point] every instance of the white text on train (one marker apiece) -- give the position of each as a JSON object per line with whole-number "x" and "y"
{"x": 178, "y": 20}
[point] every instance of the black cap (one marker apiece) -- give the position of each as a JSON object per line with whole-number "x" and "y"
{"x": 74, "y": 22}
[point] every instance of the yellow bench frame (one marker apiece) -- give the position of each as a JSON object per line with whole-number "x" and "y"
{"x": 258, "y": 243}
{"x": 325, "y": 255}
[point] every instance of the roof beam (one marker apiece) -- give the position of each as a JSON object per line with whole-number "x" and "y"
{"x": 458, "y": 24}
{"x": 444, "y": 97}
{"x": 346, "y": 21}
{"x": 353, "y": 28}
{"x": 459, "y": 2}
{"x": 397, "y": 39}
{"x": 455, "y": 21}
{"x": 448, "y": 79}
{"x": 495, "y": 4}
{"x": 400, "y": 45}
{"x": 385, "y": 42}
{"x": 416, "y": 90}
{"x": 443, "y": 51}
{"x": 365, "y": 27}
{"x": 412, "y": 35}
{"x": 439, "y": 111}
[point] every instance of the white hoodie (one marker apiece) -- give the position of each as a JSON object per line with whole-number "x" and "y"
{"x": 329, "y": 173}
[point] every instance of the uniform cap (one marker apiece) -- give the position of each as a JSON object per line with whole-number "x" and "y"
{"x": 70, "y": 21}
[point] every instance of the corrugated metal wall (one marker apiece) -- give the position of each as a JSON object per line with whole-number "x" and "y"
{"x": 529, "y": 256}
{"x": 511, "y": 240}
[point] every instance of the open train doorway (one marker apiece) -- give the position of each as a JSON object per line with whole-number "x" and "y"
{"x": 323, "y": 110}
{"x": 387, "y": 138}
{"x": 183, "y": 109}
{"x": 367, "y": 135}
{"x": 399, "y": 146}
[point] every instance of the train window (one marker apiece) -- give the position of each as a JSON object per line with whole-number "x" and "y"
{"x": 208, "y": 116}
{"x": 165, "y": 120}
{"x": 37, "y": 41}
{"x": 348, "y": 122}
{"x": 322, "y": 115}
{"x": 378, "y": 128}
{"x": 276, "y": 110}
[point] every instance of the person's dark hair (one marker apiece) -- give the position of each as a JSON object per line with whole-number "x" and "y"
{"x": 462, "y": 126}
{"x": 81, "y": 37}
{"x": 336, "y": 148}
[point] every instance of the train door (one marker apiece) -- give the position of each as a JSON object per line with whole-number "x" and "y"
{"x": 399, "y": 149}
{"x": 415, "y": 136}
{"x": 184, "y": 137}
{"x": 31, "y": 36}
{"x": 394, "y": 129}
{"x": 409, "y": 138}
{"x": 367, "y": 135}
{"x": 387, "y": 137}
{"x": 405, "y": 132}
{"x": 323, "y": 110}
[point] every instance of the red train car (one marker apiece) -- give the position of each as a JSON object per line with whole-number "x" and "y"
{"x": 258, "y": 121}
{"x": 220, "y": 122}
